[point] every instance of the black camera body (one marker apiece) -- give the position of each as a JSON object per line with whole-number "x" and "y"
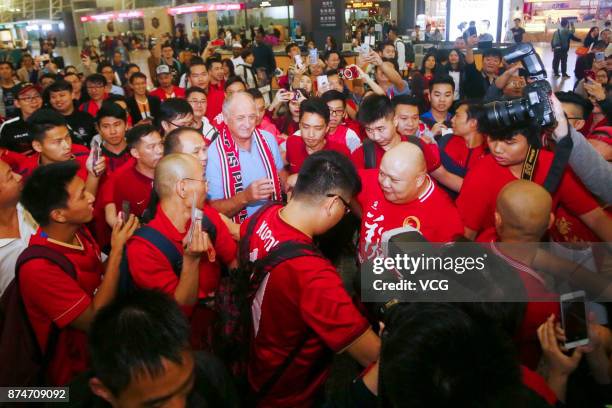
{"x": 535, "y": 105}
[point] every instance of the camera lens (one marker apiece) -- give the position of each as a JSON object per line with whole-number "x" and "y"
{"x": 502, "y": 114}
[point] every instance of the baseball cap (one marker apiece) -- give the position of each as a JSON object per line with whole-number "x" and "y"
{"x": 236, "y": 45}
{"x": 26, "y": 86}
{"x": 162, "y": 69}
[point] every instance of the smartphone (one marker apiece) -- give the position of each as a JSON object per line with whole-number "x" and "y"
{"x": 298, "y": 61}
{"x": 278, "y": 72}
{"x": 95, "y": 147}
{"x": 447, "y": 131}
{"x": 600, "y": 56}
{"x": 196, "y": 215}
{"x": 589, "y": 73}
{"x": 125, "y": 210}
{"x": 322, "y": 83}
{"x": 313, "y": 56}
{"x": 364, "y": 49}
{"x": 295, "y": 95}
{"x": 574, "y": 319}
{"x": 350, "y": 73}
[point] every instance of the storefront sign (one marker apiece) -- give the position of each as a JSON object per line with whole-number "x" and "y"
{"x": 362, "y": 5}
{"x": 203, "y": 8}
{"x": 328, "y": 14}
{"x": 113, "y": 16}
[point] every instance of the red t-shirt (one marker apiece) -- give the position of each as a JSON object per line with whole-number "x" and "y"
{"x": 343, "y": 135}
{"x": 131, "y": 185}
{"x": 354, "y": 126}
{"x": 462, "y": 155}
{"x": 114, "y": 162}
{"x": 14, "y": 160}
{"x": 51, "y": 296}
{"x": 301, "y": 297}
{"x": 543, "y": 302}
{"x": 80, "y": 154}
{"x": 430, "y": 153}
{"x": 177, "y": 92}
{"x": 151, "y": 269}
{"x": 569, "y": 228}
{"x": 432, "y": 213}
{"x": 296, "y": 151}
{"x": 478, "y": 196}
{"x": 215, "y": 98}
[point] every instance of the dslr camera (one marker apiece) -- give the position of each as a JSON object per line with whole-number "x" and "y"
{"x": 535, "y": 106}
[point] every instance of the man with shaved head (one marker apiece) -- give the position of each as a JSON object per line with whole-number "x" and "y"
{"x": 401, "y": 194}
{"x": 523, "y": 214}
{"x": 189, "y": 141}
{"x": 245, "y": 167}
{"x": 180, "y": 185}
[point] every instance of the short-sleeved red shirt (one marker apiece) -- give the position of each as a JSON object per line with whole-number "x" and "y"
{"x": 569, "y": 228}
{"x": 79, "y": 153}
{"x": 432, "y": 213}
{"x": 51, "y": 296}
{"x": 430, "y": 152}
{"x": 478, "y": 196}
{"x": 463, "y": 156}
{"x": 345, "y": 136}
{"x": 14, "y": 159}
{"x": 151, "y": 269}
{"x": 177, "y": 92}
{"x": 301, "y": 297}
{"x": 544, "y": 302}
{"x": 215, "y": 98}
{"x": 296, "y": 151}
{"x": 131, "y": 185}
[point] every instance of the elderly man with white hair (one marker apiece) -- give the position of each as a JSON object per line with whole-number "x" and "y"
{"x": 244, "y": 167}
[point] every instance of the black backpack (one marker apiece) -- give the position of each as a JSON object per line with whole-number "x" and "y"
{"x": 24, "y": 364}
{"x": 165, "y": 246}
{"x": 234, "y": 299}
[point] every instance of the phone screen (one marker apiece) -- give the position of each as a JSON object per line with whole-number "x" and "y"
{"x": 125, "y": 209}
{"x": 575, "y": 323}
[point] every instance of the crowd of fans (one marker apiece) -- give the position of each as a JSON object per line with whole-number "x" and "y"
{"x": 181, "y": 246}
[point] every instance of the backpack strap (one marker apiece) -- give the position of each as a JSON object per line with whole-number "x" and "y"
{"x": 283, "y": 252}
{"x": 59, "y": 259}
{"x": 369, "y": 154}
{"x": 447, "y": 161}
{"x": 164, "y": 245}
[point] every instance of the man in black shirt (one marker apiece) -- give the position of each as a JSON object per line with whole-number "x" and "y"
{"x": 264, "y": 56}
{"x": 8, "y": 83}
{"x": 14, "y": 133}
{"x": 517, "y": 31}
{"x": 81, "y": 124}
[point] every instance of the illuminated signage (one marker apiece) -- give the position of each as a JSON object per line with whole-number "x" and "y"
{"x": 113, "y": 16}
{"x": 362, "y": 4}
{"x": 203, "y": 8}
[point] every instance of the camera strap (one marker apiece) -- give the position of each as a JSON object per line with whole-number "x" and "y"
{"x": 529, "y": 164}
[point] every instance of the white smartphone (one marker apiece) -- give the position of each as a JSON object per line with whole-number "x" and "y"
{"x": 196, "y": 214}
{"x": 313, "y": 56}
{"x": 447, "y": 131}
{"x": 298, "y": 61}
{"x": 322, "y": 83}
{"x": 574, "y": 319}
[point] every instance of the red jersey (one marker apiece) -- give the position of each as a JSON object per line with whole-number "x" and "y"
{"x": 463, "y": 156}
{"x": 569, "y": 228}
{"x": 151, "y": 269}
{"x": 296, "y": 151}
{"x": 432, "y": 213}
{"x": 215, "y": 98}
{"x": 301, "y": 298}
{"x": 79, "y": 154}
{"x": 128, "y": 184}
{"x": 15, "y": 160}
{"x": 52, "y": 297}
{"x": 430, "y": 153}
{"x": 478, "y": 196}
{"x": 542, "y": 304}
{"x": 342, "y": 135}
{"x": 354, "y": 126}
{"x": 177, "y": 92}
{"x": 114, "y": 162}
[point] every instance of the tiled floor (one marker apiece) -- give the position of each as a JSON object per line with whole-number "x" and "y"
{"x": 71, "y": 56}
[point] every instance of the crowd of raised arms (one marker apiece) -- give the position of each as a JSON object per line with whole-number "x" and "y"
{"x": 203, "y": 243}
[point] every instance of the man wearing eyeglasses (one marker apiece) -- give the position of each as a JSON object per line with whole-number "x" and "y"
{"x": 181, "y": 186}
{"x": 95, "y": 84}
{"x": 14, "y": 133}
{"x": 338, "y": 133}
{"x": 197, "y": 99}
{"x": 402, "y": 194}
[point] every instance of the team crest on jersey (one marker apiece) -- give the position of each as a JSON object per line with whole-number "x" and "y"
{"x": 412, "y": 221}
